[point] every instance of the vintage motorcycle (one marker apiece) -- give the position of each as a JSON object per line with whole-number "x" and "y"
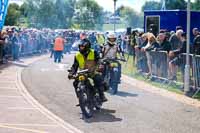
{"x": 111, "y": 72}
{"x": 87, "y": 94}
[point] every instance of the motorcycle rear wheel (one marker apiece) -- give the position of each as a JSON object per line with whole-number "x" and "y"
{"x": 114, "y": 88}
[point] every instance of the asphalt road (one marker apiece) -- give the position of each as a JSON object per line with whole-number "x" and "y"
{"x": 131, "y": 111}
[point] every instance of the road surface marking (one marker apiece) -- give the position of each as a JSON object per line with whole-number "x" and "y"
{"x": 67, "y": 126}
{"x": 40, "y": 125}
{"x": 7, "y": 82}
{"x": 22, "y": 129}
{"x": 62, "y": 67}
{"x": 8, "y": 88}
{"x": 11, "y": 96}
{"x": 18, "y": 108}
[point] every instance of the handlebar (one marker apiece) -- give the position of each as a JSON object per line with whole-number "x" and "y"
{"x": 113, "y": 59}
{"x": 85, "y": 71}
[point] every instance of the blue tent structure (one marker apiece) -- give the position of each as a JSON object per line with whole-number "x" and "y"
{"x": 3, "y": 12}
{"x": 169, "y": 19}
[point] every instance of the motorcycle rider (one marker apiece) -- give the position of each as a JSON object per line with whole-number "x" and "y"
{"x": 87, "y": 58}
{"x": 111, "y": 49}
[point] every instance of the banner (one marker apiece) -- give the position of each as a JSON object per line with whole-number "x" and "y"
{"x": 3, "y": 12}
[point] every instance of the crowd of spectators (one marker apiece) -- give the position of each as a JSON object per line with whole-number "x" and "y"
{"x": 20, "y": 42}
{"x": 149, "y": 47}
{"x": 16, "y": 42}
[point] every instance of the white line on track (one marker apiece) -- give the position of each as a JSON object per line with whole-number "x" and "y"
{"x": 68, "y": 127}
{"x": 32, "y": 125}
{"x": 21, "y": 108}
{"x": 22, "y": 129}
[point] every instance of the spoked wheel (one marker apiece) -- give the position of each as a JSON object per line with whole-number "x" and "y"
{"x": 114, "y": 83}
{"x": 85, "y": 105}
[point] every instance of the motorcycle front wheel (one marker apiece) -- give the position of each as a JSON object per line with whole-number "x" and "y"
{"x": 85, "y": 105}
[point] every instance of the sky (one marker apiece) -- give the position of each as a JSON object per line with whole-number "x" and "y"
{"x": 135, "y": 4}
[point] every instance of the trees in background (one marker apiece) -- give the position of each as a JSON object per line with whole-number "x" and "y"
{"x": 151, "y": 5}
{"x": 88, "y": 14}
{"x": 48, "y": 13}
{"x": 13, "y": 14}
{"x": 84, "y": 14}
{"x": 170, "y": 5}
{"x": 130, "y": 17}
{"x": 176, "y": 4}
{"x": 196, "y": 5}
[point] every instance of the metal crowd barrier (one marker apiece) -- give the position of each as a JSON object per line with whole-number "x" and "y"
{"x": 156, "y": 63}
{"x": 141, "y": 61}
{"x": 159, "y": 64}
{"x": 197, "y": 70}
{"x": 181, "y": 66}
{"x": 196, "y": 73}
{"x": 24, "y": 50}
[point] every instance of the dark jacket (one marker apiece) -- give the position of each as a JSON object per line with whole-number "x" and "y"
{"x": 175, "y": 42}
{"x": 182, "y": 49}
{"x": 196, "y": 45}
{"x": 143, "y": 44}
{"x": 154, "y": 45}
{"x": 164, "y": 46}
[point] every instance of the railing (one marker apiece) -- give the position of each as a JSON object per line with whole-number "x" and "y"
{"x": 25, "y": 49}
{"x": 159, "y": 66}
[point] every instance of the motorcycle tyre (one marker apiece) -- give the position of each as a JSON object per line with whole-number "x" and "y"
{"x": 83, "y": 105}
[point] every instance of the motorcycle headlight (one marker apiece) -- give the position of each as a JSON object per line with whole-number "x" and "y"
{"x": 81, "y": 78}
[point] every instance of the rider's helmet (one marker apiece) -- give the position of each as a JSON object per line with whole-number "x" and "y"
{"x": 111, "y": 38}
{"x": 84, "y": 46}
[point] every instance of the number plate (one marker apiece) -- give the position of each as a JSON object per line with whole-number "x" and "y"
{"x": 115, "y": 69}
